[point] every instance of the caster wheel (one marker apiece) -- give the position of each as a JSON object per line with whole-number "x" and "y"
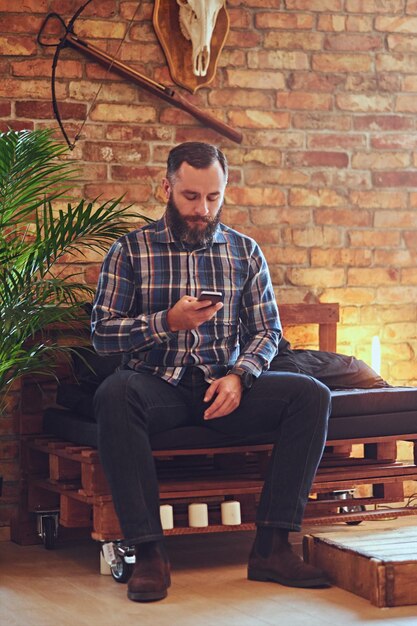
{"x": 352, "y": 509}
{"x": 49, "y": 532}
{"x": 120, "y": 570}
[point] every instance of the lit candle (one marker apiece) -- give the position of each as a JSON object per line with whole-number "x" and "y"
{"x": 376, "y": 354}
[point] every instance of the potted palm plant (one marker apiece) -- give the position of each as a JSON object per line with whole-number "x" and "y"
{"x": 35, "y": 233}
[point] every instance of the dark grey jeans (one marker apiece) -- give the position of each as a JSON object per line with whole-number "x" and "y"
{"x": 130, "y": 406}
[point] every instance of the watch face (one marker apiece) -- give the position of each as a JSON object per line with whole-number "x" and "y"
{"x": 247, "y": 380}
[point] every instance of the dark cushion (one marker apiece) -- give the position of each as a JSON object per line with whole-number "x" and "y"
{"x": 356, "y": 414}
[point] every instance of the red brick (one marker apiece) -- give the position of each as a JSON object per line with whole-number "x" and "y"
{"x": 373, "y": 6}
{"x": 363, "y": 102}
{"x": 251, "y": 79}
{"x": 395, "y": 141}
{"x": 359, "y": 23}
{"x": 274, "y": 176}
{"x": 281, "y": 216}
{"x": 278, "y": 60}
{"x": 27, "y": 88}
{"x": 317, "y": 159}
{"x": 378, "y": 199}
{"x": 341, "y": 257}
{"x": 380, "y": 160}
{"x": 396, "y": 62}
{"x": 315, "y": 197}
{"x": 131, "y": 192}
{"x": 382, "y": 122}
{"x": 142, "y": 32}
{"x": 321, "y": 121}
{"x": 346, "y": 42}
{"x": 235, "y": 97}
{"x": 259, "y": 119}
{"x": 40, "y": 68}
{"x": 121, "y": 132}
{"x": 128, "y": 9}
{"x": 24, "y": 6}
{"x": 341, "y": 63}
{"x": 41, "y": 110}
{"x": 332, "y": 140}
{"x": 112, "y": 152}
{"x": 303, "y": 100}
{"x": 251, "y": 39}
{"x": 314, "y": 5}
{"x": 5, "y": 109}
{"x": 315, "y": 81}
{"x": 410, "y": 238}
{"x": 276, "y": 138}
{"x": 104, "y": 8}
{"x": 293, "y": 40}
{"x": 373, "y": 239}
{"x": 401, "y": 43}
{"x": 283, "y": 20}
{"x": 15, "y": 125}
{"x": 257, "y": 196}
{"x": 342, "y": 217}
{"x": 144, "y": 174}
{"x": 137, "y": 54}
{"x": 395, "y": 179}
{"x": 17, "y": 46}
{"x": 24, "y": 24}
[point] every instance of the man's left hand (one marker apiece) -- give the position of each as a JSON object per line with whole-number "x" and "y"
{"x": 229, "y": 393}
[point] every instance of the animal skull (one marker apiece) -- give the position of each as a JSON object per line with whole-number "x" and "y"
{"x": 197, "y": 22}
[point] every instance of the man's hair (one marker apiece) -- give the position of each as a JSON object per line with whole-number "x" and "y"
{"x": 197, "y": 154}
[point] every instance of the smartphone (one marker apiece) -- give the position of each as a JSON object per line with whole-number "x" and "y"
{"x": 213, "y": 296}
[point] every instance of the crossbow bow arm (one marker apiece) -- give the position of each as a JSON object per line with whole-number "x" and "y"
{"x": 165, "y": 93}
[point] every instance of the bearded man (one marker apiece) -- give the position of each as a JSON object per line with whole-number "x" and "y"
{"x": 189, "y": 361}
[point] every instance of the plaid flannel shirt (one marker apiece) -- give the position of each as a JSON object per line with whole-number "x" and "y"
{"x": 147, "y": 271}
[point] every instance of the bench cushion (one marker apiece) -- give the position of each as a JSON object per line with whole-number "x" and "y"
{"x": 356, "y": 413}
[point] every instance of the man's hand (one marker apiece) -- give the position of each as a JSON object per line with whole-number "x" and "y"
{"x": 189, "y": 313}
{"x": 229, "y": 393}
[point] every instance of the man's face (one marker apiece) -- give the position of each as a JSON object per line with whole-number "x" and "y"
{"x": 194, "y": 201}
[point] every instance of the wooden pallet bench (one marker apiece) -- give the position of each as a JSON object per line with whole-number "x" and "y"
{"x": 71, "y": 479}
{"x": 59, "y": 475}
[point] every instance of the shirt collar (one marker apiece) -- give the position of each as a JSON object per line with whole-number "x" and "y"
{"x": 164, "y": 234}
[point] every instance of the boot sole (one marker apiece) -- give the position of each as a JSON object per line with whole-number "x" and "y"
{"x": 147, "y": 596}
{"x": 270, "y": 576}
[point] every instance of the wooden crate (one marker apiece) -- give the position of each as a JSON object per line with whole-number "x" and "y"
{"x": 380, "y": 566}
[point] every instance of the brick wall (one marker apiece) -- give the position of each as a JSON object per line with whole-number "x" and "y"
{"x": 324, "y": 92}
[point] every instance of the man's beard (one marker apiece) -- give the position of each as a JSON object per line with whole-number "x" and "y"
{"x": 182, "y": 227}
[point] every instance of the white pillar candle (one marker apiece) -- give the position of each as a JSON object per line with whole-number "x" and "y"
{"x": 376, "y": 354}
{"x": 231, "y": 513}
{"x": 197, "y": 515}
{"x": 167, "y": 516}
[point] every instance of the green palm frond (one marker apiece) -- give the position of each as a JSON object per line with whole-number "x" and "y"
{"x": 34, "y": 236}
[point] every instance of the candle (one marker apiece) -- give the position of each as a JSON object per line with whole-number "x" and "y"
{"x": 376, "y": 354}
{"x": 167, "y": 516}
{"x": 231, "y": 513}
{"x": 198, "y": 515}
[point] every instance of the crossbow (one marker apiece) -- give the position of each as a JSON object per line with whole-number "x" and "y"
{"x": 70, "y": 39}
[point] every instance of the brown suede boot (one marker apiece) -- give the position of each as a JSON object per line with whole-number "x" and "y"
{"x": 278, "y": 563}
{"x": 151, "y": 574}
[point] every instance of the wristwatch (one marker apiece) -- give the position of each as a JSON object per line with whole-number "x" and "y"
{"x": 246, "y": 378}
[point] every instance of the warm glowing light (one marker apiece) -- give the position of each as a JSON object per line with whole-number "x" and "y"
{"x": 376, "y": 354}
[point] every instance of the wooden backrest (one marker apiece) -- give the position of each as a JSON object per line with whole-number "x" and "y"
{"x": 326, "y": 316}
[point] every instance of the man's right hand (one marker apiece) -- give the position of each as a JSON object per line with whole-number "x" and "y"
{"x": 189, "y": 313}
